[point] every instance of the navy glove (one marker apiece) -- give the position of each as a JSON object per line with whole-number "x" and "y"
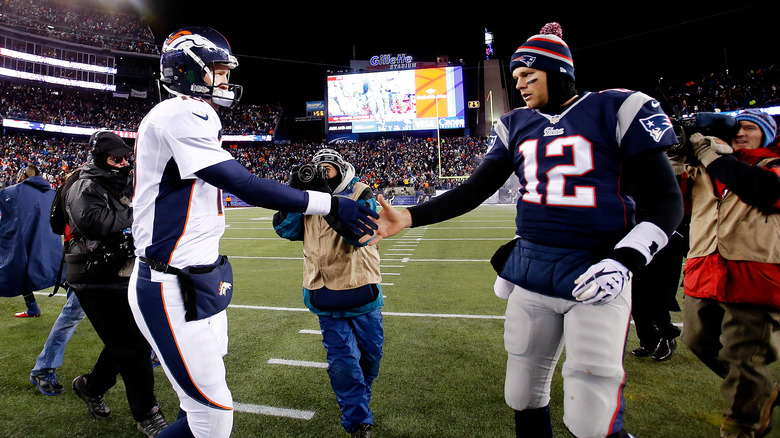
{"x": 355, "y": 216}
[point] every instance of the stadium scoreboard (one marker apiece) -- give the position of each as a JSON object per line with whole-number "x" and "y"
{"x": 396, "y": 100}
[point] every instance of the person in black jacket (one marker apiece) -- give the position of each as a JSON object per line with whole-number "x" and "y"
{"x": 98, "y": 263}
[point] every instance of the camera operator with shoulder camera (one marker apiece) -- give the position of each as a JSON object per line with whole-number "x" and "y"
{"x": 341, "y": 285}
{"x": 98, "y": 263}
{"x": 732, "y": 273}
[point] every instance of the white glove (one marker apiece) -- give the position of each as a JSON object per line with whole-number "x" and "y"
{"x": 602, "y": 282}
{"x": 503, "y": 288}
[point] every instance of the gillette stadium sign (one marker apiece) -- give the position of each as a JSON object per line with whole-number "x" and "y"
{"x": 402, "y": 60}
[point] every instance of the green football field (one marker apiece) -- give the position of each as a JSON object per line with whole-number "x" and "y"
{"x": 443, "y": 367}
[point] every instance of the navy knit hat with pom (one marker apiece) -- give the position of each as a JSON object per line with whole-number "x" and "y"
{"x": 764, "y": 121}
{"x": 546, "y": 51}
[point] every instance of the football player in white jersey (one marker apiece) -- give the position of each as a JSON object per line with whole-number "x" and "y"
{"x": 585, "y": 161}
{"x": 181, "y": 285}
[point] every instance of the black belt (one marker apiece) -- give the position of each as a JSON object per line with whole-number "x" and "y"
{"x": 160, "y": 266}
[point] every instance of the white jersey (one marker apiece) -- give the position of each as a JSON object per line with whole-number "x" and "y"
{"x": 177, "y": 217}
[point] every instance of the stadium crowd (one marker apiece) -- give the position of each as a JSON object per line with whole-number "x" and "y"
{"x": 725, "y": 91}
{"x": 100, "y": 110}
{"x": 383, "y": 163}
{"x": 88, "y": 26}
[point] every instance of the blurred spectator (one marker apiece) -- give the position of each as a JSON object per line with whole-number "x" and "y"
{"x": 30, "y": 252}
{"x": 44, "y": 373}
{"x": 654, "y": 291}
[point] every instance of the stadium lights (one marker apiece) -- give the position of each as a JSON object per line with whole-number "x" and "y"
{"x": 56, "y": 62}
{"x": 55, "y": 80}
{"x": 771, "y": 110}
{"x": 488, "y": 44}
{"x": 86, "y": 131}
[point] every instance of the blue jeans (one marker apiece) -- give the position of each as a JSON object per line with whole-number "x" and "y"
{"x": 354, "y": 349}
{"x": 54, "y": 349}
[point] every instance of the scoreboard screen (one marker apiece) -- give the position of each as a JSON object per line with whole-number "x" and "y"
{"x": 396, "y": 100}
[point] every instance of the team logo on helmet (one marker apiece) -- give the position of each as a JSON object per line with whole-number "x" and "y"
{"x": 657, "y": 125}
{"x": 175, "y": 36}
{"x": 186, "y": 40}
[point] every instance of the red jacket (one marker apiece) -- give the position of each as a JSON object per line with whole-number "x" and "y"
{"x": 714, "y": 276}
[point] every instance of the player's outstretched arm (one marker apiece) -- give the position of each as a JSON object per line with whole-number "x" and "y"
{"x": 235, "y": 178}
{"x": 390, "y": 222}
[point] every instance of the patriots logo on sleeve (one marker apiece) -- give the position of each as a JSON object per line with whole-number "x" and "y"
{"x": 657, "y": 125}
{"x": 491, "y": 142}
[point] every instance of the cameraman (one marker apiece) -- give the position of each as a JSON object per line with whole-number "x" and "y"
{"x": 341, "y": 286}
{"x": 732, "y": 274}
{"x": 98, "y": 263}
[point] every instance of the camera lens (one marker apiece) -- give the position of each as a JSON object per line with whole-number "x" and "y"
{"x": 307, "y": 172}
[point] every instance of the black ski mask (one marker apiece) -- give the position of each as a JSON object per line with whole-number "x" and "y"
{"x": 334, "y": 182}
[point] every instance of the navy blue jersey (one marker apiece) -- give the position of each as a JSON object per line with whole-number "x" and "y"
{"x": 570, "y": 165}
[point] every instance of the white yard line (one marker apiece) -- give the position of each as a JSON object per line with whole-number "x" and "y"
{"x": 298, "y": 363}
{"x": 408, "y": 314}
{"x": 273, "y": 411}
{"x": 310, "y": 332}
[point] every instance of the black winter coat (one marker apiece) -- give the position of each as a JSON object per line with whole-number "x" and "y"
{"x": 100, "y": 215}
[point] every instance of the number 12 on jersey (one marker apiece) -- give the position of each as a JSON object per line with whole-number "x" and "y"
{"x": 556, "y": 178}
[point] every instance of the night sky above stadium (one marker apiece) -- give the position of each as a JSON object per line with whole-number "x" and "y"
{"x": 285, "y": 51}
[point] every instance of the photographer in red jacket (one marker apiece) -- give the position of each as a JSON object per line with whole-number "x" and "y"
{"x": 732, "y": 274}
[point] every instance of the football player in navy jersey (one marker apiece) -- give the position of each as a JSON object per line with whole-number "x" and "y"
{"x": 567, "y": 274}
